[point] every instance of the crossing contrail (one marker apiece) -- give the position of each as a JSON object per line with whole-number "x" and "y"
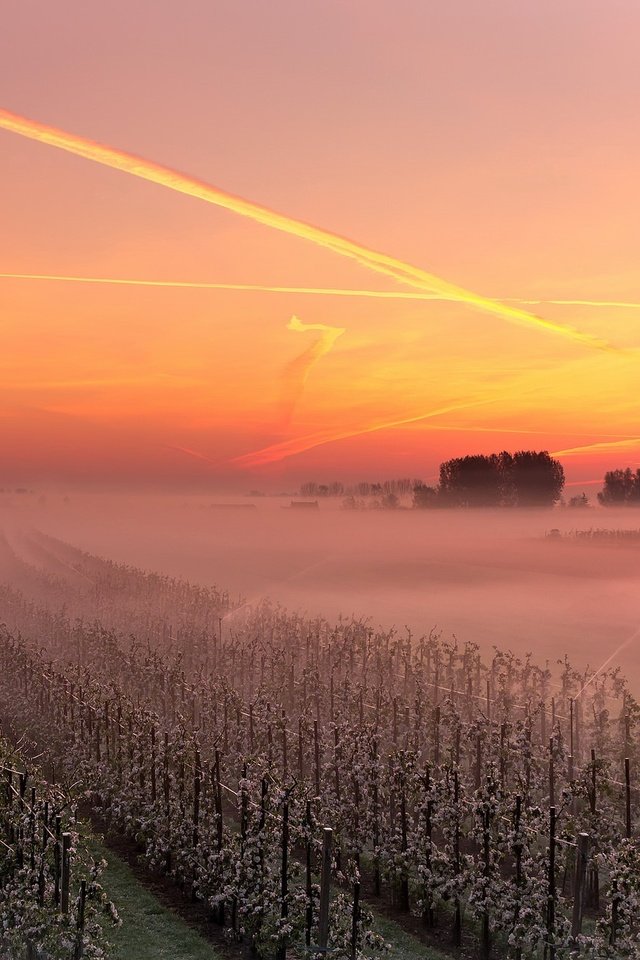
{"x": 371, "y": 259}
{"x": 308, "y": 291}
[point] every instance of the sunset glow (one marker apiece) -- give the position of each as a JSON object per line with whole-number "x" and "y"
{"x": 150, "y": 332}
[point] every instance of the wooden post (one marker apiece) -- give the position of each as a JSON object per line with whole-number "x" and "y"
{"x": 325, "y": 890}
{"x": 503, "y": 756}
{"x": 627, "y": 788}
{"x": 486, "y": 837}
{"x": 300, "y": 750}
{"x": 571, "y": 727}
{"x": 285, "y": 762}
{"x": 551, "y": 885}
{"x": 627, "y": 734}
{"x": 404, "y": 883}
{"x": 574, "y": 804}
{"x": 579, "y": 883}
{"x": 66, "y": 869}
{"x": 316, "y": 751}
{"x": 57, "y": 858}
{"x": 308, "y": 879}
{"x": 153, "y": 764}
{"x": 457, "y": 919}
{"x": 428, "y": 909}
{"x": 376, "y": 822}
{"x": 81, "y": 910}
{"x": 284, "y": 877}
{"x": 197, "y": 780}
{"x": 355, "y": 919}
{"x": 220, "y": 913}
{"x": 593, "y": 800}
{"x": 552, "y": 777}
{"x": 517, "y": 846}
{"x": 395, "y": 722}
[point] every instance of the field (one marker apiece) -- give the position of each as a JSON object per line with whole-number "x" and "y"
{"x": 481, "y": 797}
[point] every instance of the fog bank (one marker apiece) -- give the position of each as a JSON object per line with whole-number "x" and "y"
{"x": 492, "y": 577}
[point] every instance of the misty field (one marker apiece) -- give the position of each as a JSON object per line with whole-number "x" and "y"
{"x": 299, "y": 776}
{"x": 482, "y": 575}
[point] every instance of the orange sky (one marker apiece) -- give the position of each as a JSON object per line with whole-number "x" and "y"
{"x": 493, "y": 146}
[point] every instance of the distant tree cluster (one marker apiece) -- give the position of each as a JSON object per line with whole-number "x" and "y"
{"x": 621, "y": 488}
{"x": 388, "y": 501}
{"x": 527, "y": 478}
{"x": 384, "y": 488}
{"x": 579, "y": 502}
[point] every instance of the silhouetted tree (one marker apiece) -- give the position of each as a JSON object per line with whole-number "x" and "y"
{"x": 472, "y": 481}
{"x": 532, "y": 478}
{"x": 425, "y": 497}
{"x": 579, "y": 502}
{"x": 528, "y": 478}
{"x": 621, "y": 488}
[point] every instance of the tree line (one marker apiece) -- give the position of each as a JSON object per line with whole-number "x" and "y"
{"x": 527, "y": 478}
{"x": 365, "y": 488}
{"x": 621, "y": 488}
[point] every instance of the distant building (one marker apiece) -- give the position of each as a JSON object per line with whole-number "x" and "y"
{"x": 232, "y": 506}
{"x": 305, "y": 505}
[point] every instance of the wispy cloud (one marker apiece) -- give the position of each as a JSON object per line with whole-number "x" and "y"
{"x": 296, "y": 372}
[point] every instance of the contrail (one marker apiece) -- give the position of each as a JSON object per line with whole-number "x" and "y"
{"x": 297, "y": 370}
{"x": 583, "y": 483}
{"x": 379, "y": 262}
{"x": 580, "y": 303}
{"x": 192, "y": 453}
{"x": 289, "y": 448}
{"x": 256, "y": 598}
{"x": 623, "y": 646}
{"x": 309, "y": 291}
{"x": 605, "y": 445}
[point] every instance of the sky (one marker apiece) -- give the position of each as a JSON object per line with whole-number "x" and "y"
{"x": 492, "y": 146}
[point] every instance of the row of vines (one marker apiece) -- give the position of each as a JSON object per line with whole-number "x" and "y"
{"x": 52, "y": 905}
{"x": 494, "y": 799}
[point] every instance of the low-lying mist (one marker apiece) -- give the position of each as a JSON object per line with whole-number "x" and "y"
{"x": 492, "y": 577}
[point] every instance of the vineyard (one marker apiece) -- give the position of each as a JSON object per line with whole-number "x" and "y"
{"x": 293, "y": 774}
{"x": 42, "y": 849}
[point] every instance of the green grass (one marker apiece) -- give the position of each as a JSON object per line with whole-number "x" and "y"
{"x": 403, "y": 945}
{"x": 149, "y": 930}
